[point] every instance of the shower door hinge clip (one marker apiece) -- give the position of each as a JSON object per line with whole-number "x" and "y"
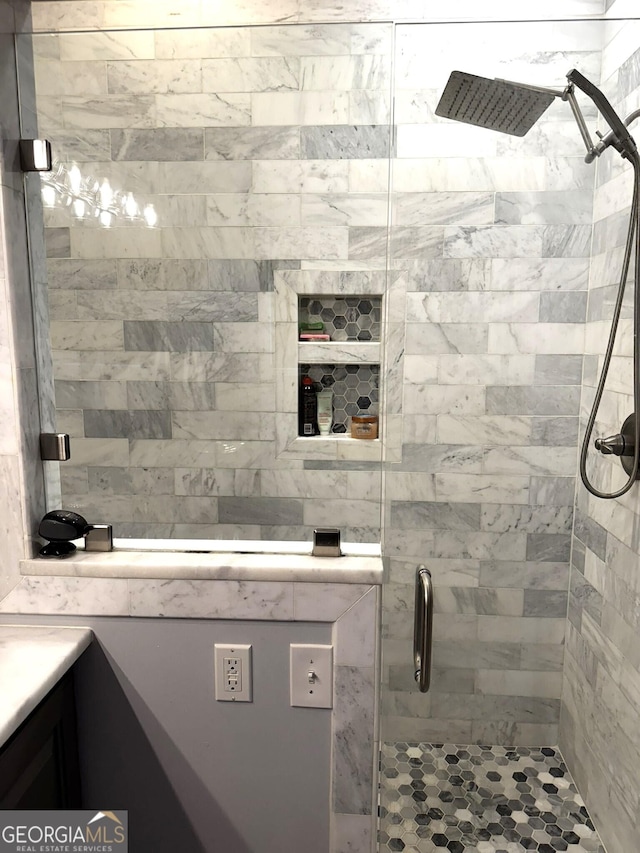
{"x": 55, "y": 446}
{"x": 35, "y": 155}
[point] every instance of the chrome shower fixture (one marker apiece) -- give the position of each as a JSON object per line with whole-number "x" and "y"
{"x": 494, "y": 104}
{"x": 514, "y": 108}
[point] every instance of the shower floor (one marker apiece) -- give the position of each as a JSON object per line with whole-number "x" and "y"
{"x": 439, "y": 798}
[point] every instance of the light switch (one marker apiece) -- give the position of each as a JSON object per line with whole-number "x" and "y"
{"x": 311, "y": 676}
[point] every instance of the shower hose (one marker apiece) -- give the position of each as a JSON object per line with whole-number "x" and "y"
{"x": 632, "y": 247}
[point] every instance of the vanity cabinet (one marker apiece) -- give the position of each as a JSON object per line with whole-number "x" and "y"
{"x": 39, "y": 763}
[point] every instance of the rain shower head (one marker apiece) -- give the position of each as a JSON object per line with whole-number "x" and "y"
{"x": 494, "y": 104}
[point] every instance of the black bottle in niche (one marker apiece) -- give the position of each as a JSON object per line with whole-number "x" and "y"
{"x": 307, "y": 408}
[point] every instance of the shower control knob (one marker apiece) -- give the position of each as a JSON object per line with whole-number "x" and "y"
{"x": 614, "y": 445}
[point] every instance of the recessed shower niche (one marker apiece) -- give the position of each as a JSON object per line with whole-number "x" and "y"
{"x": 330, "y": 333}
{"x": 339, "y": 350}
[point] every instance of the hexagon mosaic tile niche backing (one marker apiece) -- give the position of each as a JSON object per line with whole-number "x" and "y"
{"x": 355, "y": 389}
{"x": 440, "y": 798}
{"x": 345, "y": 318}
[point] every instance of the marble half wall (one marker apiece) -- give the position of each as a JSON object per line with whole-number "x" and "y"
{"x": 353, "y": 610}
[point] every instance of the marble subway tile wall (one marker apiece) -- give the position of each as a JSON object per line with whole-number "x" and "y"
{"x": 260, "y": 150}
{"x": 489, "y": 265}
{"x": 21, "y": 486}
{"x": 601, "y": 697}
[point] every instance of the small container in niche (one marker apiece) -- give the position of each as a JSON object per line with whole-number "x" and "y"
{"x": 364, "y": 426}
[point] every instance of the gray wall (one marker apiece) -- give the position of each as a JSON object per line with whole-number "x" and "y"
{"x": 601, "y": 700}
{"x": 196, "y": 774}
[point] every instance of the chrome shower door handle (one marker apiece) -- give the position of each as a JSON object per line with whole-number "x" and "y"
{"x": 423, "y": 628}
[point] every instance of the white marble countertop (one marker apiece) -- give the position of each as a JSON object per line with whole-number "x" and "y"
{"x": 211, "y": 566}
{"x": 33, "y": 658}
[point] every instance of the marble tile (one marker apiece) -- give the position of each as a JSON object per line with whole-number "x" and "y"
{"x": 58, "y": 242}
{"x": 254, "y": 426}
{"x": 123, "y": 45}
{"x": 328, "y": 602}
{"x": 80, "y": 78}
{"x": 532, "y": 575}
{"x": 470, "y": 307}
{"x": 77, "y": 367}
{"x": 125, "y": 424}
{"x": 570, "y": 207}
{"x": 172, "y": 337}
{"x": 434, "y": 515}
{"x": 353, "y": 725}
{"x": 337, "y": 142}
{"x": 319, "y": 176}
{"x": 462, "y": 174}
{"x": 110, "y": 111}
{"x": 72, "y": 335}
{"x": 552, "y": 547}
{"x": 351, "y": 833}
{"x": 559, "y": 461}
{"x": 119, "y": 481}
{"x": 530, "y": 519}
{"x": 252, "y": 143}
{"x": 548, "y": 400}
{"x": 260, "y": 511}
{"x": 226, "y": 599}
{"x": 202, "y": 43}
{"x": 539, "y": 274}
{"x": 156, "y": 76}
{"x": 547, "y": 603}
{"x": 563, "y": 307}
{"x": 335, "y": 209}
{"x": 238, "y": 209}
{"x": 201, "y": 482}
{"x": 218, "y": 306}
{"x": 554, "y": 431}
{"x": 493, "y": 430}
{"x": 74, "y": 274}
{"x": 162, "y": 143}
{"x": 68, "y": 595}
{"x": 558, "y": 369}
{"x": 214, "y": 367}
{"x": 203, "y": 110}
{"x": 251, "y": 74}
{"x": 182, "y": 177}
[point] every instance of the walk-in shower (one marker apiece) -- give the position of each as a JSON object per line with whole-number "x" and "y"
{"x": 514, "y": 108}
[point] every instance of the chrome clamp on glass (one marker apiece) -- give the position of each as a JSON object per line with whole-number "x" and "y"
{"x": 423, "y": 628}
{"x": 326, "y": 542}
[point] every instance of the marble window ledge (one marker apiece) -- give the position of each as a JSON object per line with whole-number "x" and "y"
{"x": 297, "y": 568}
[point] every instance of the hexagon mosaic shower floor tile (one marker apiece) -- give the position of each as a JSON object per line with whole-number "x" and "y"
{"x": 440, "y": 798}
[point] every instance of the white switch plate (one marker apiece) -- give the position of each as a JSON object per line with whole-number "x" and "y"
{"x": 311, "y": 674}
{"x": 233, "y": 673}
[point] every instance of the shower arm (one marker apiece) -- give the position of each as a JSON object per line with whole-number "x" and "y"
{"x": 618, "y": 136}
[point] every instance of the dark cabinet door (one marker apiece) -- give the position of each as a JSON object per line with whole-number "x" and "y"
{"x": 39, "y": 764}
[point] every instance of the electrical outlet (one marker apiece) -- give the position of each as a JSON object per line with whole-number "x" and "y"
{"x": 233, "y": 674}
